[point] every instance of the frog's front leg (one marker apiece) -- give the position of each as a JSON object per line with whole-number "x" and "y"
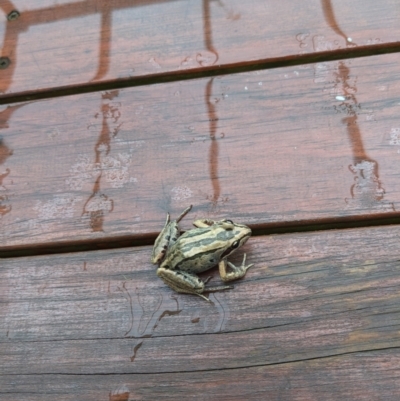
{"x": 237, "y": 271}
{"x": 187, "y": 283}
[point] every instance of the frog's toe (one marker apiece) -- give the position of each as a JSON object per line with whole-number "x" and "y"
{"x": 218, "y": 288}
{"x": 236, "y": 272}
{"x": 248, "y": 267}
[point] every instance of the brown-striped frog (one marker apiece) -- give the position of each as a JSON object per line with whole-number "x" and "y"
{"x": 182, "y": 257}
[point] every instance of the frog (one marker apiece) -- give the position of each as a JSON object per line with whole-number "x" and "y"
{"x": 180, "y": 258}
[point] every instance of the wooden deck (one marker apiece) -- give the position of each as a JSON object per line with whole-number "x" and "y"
{"x": 280, "y": 115}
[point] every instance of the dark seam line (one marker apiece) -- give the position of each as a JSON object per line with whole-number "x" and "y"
{"x": 207, "y": 370}
{"x": 205, "y": 72}
{"x": 148, "y": 239}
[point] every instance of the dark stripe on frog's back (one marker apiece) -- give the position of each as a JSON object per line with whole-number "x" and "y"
{"x": 186, "y": 246}
{"x": 195, "y": 232}
{"x": 203, "y": 264}
{"x": 190, "y": 237}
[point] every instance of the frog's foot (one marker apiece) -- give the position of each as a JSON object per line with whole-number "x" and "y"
{"x": 216, "y": 288}
{"x": 185, "y": 282}
{"x": 237, "y": 271}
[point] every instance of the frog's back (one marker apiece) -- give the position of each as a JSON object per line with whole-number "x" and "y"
{"x": 194, "y": 251}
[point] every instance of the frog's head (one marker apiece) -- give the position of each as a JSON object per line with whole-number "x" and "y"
{"x": 235, "y": 235}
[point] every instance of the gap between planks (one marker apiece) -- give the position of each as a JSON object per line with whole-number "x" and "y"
{"x": 148, "y": 239}
{"x": 205, "y": 72}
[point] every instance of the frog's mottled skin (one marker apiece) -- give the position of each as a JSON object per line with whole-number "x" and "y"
{"x": 181, "y": 258}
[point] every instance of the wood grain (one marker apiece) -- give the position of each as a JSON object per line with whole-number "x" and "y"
{"x": 317, "y": 317}
{"x": 359, "y": 376}
{"x": 74, "y": 43}
{"x": 286, "y": 146}
{"x": 309, "y": 296}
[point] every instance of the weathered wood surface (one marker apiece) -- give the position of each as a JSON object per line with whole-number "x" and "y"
{"x": 359, "y": 376}
{"x": 317, "y": 317}
{"x": 58, "y": 44}
{"x": 310, "y": 296}
{"x": 284, "y": 146}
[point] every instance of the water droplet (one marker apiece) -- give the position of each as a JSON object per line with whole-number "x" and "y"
{"x": 245, "y": 88}
{"x": 395, "y": 136}
{"x": 341, "y": 98}
{"x": 349, "y": 39}
{"x": 139, "y": 110}
{"x": 154, "y": 63}
{"x": 181, "y": 193}
{"x": 206, "y": 59}
{"x": 186, "y": 61}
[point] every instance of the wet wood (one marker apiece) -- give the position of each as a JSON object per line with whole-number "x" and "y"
{"x": 317, "y": 317}
{"x": 124, "y": 39}
{"x": 309, "y": 296}
{"x": 293, "y": 328}
{"x": 359, "y": 376}
{"x": 289, "y": 146}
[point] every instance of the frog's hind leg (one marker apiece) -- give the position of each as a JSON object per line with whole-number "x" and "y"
{"x": 161, "y": 243}
{"x": 184, "y": 213}
{"x": 186, "y": 283}
{"x": 182, "y": 282}
{"x": 167, "y": 237}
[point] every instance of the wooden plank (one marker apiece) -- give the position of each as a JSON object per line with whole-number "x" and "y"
{"x": 310, "y": 295}
{"x": 82, "y": 42}
{"x": 360, "y": 376}
{"x": 286, "y": 146}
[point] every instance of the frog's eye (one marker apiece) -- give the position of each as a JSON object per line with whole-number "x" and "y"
{"x": 230, "y": 249}
{"x": 227, "y": 224}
